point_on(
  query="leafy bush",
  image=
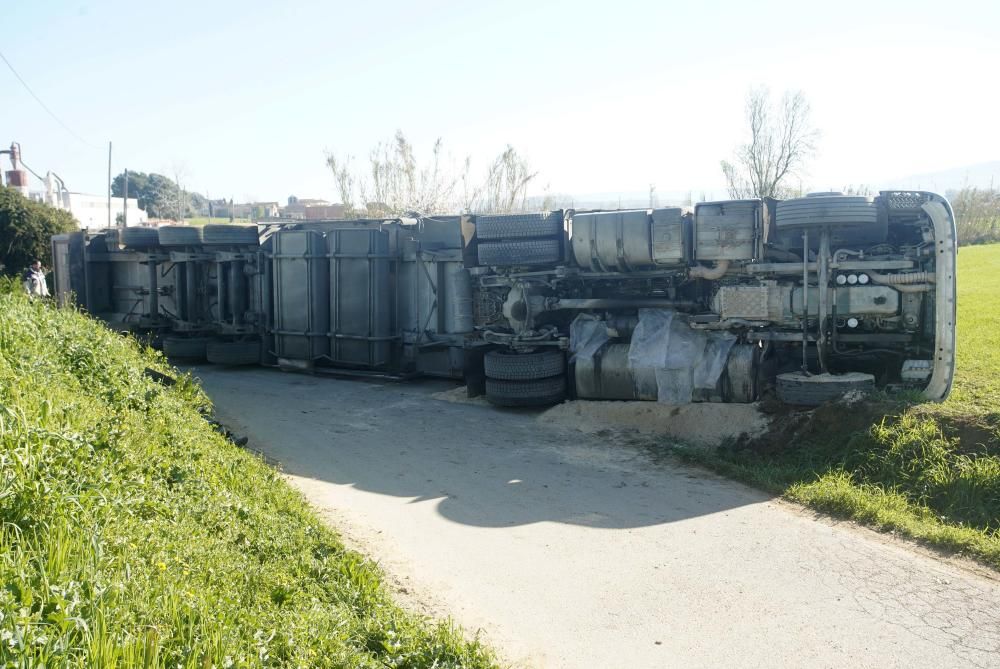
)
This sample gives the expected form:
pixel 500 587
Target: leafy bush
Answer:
pixel 26 228
pixel 977 215
pixel 133 535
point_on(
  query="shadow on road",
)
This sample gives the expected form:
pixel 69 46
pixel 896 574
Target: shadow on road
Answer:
pixel 487 467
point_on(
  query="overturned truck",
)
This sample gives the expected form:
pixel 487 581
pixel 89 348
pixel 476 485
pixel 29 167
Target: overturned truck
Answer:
pixel 806 299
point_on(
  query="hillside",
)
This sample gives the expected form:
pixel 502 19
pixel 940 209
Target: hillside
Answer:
pixel 132 534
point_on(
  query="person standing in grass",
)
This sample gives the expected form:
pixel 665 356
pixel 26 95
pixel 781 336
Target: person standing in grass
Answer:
pixel 34 280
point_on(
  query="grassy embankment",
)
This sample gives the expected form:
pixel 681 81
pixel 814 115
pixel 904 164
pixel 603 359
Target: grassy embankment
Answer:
pixel 927 471
pixel 132 534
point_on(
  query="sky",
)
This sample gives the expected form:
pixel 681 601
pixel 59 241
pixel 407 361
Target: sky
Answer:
pixel 244 99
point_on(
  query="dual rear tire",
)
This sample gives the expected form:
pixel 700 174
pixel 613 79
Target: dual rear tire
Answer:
pixel 525 379
pixel 200 349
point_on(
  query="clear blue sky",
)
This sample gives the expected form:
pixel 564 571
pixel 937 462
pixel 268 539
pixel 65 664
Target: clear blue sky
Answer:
pixel 245 97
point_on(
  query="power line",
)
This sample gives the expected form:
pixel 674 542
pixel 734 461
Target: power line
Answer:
pixel 43 105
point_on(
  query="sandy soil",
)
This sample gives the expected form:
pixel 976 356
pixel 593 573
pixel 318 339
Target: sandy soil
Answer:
pixel 569 543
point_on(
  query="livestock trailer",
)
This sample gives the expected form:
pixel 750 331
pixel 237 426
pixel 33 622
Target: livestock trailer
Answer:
pixel 806 299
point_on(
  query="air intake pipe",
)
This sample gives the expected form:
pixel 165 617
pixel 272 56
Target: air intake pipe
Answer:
pixel 711 274
pixel 911 282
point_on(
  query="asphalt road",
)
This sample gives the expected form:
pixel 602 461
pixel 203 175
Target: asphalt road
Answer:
pixel 572 549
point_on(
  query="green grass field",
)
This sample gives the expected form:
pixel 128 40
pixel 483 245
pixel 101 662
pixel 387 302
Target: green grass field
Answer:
pixel 133 535
pixel 927 471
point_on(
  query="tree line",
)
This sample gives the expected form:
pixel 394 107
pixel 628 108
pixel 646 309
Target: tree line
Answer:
pixel 158 195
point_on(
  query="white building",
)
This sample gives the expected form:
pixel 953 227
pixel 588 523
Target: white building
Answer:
pixel 91 211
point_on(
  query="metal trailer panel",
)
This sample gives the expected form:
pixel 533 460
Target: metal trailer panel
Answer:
pixel 458 310
pixel 668 236
pixel 434 300
pixel 726 230
pixel 300 271
pixel 69 269
pixel 361 298
pixel 135 284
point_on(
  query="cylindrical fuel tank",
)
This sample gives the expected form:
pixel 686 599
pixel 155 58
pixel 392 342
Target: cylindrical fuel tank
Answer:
pixel 623 241
pixel 607 376
pixel 458 300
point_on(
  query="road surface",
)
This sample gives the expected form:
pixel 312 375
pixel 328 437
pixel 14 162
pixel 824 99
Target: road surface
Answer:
pixel 569 549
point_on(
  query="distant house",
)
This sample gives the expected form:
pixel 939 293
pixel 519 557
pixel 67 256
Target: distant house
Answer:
pixel 252 210
pixel 261 210
pixel 311 209
pixel 91 211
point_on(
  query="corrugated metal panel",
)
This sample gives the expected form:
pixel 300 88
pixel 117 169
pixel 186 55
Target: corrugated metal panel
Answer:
pixel 726 230
pixel 668 236
pixel 301 295
pixel 361 298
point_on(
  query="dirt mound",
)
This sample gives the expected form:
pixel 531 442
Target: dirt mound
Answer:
pixel 704 424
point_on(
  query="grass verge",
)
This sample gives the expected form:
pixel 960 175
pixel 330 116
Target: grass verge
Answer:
pixel 132 534
pixel 930 472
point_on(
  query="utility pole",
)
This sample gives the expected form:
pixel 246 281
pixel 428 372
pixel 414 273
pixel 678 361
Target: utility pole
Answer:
pixel 177 180
pixel 109 185
pixel 125 201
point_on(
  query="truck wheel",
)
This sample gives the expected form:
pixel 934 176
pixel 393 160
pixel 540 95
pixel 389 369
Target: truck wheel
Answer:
pixel 186 348
pixel 825 209
pixel 139 238
pixel 234 353
pixel 520 252
pixel 509 366
pixel 179 235
pixel 230 235
pixel 537 393
pixel 798 389
pixel 519 226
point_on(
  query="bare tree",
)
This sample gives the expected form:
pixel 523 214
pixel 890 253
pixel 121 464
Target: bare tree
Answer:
pixel 397 183
pixel 505 188
pixel 344 181
pixel 781 140
pixel 860 189
pixel 172 200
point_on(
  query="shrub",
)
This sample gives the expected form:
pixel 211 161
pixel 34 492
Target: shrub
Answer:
pixel 26 228
pixel 977 215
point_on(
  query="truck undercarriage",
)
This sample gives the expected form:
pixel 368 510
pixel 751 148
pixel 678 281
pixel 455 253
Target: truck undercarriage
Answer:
pixel 807 299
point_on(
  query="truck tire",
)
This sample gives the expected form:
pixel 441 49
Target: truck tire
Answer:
pixel 519 226
pixel 230 235
pixel 233 353
pixel 800 390
pixel 537 393
pixel 139 238
pixel 825 210
pixel 179 235
pixel 509 366
pixel 520 252
pixel 186 348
